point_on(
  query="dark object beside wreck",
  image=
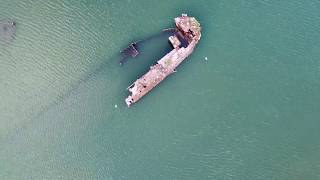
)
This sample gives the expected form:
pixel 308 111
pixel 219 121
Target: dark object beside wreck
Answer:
pixel 129 52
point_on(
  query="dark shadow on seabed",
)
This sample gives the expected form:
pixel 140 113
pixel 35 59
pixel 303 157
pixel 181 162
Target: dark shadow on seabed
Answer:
pixel 150 49
pixel 127 73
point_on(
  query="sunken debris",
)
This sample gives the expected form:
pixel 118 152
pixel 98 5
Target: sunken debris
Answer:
pixel 134 48
pixel 188 33
pixel 7 31
pixel 129 52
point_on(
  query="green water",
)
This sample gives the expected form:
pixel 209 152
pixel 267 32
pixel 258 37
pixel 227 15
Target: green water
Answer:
pixel 251 111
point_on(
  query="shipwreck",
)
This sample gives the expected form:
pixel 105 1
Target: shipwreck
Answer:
pixel 187 35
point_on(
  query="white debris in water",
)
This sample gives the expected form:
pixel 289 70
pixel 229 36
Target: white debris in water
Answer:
pixel 206 58
pixel 115 106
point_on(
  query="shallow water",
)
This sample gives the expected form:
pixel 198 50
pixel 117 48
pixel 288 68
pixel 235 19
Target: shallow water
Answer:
pixel 250 111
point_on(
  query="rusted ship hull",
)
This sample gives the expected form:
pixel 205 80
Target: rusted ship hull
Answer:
pixel 190 29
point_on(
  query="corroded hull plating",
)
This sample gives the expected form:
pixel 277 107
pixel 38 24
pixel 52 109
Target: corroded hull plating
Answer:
pixel 190 30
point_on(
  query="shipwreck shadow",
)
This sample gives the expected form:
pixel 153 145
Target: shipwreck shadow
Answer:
pixel 119 68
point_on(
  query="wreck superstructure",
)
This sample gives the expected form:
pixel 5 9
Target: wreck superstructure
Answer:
pixel 189 32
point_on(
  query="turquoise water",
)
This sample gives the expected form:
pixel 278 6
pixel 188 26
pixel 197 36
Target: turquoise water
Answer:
pixel 251 111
